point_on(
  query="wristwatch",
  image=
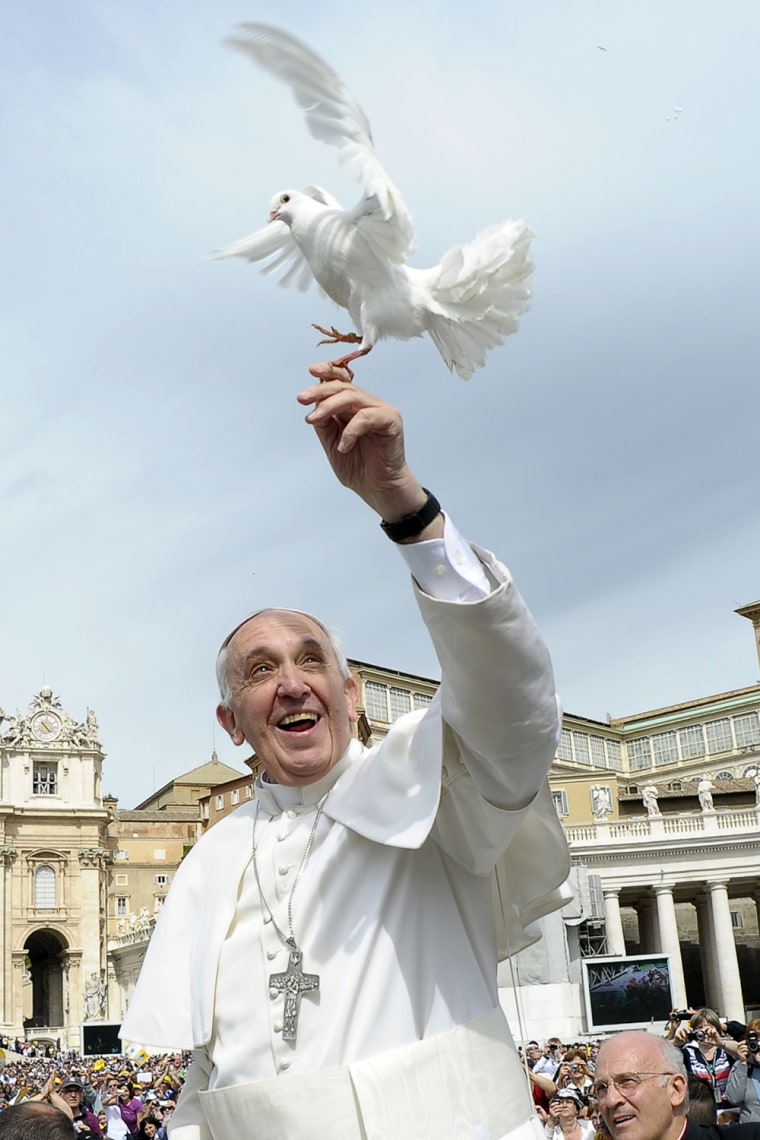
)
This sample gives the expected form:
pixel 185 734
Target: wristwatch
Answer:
pixel 412 525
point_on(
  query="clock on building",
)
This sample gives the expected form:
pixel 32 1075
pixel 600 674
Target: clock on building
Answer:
pixel 46 726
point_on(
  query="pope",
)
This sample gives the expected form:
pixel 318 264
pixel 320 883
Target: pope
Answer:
pixel 332 945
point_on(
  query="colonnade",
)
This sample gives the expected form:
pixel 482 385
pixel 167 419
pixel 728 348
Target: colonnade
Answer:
pixel 658 933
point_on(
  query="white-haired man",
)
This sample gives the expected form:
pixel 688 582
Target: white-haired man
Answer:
pixel 332 946
pixel 641 1084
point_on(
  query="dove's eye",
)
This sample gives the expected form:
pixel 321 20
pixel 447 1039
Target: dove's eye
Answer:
pixel 284 198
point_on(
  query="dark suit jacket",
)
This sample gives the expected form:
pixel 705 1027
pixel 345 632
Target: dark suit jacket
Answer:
pixel 718 1132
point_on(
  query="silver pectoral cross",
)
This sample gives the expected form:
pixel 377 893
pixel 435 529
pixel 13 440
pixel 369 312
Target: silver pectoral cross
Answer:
pixel 293 982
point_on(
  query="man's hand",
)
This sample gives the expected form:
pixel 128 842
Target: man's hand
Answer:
pixel 363 438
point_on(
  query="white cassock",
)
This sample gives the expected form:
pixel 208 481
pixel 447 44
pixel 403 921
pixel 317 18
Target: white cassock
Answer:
pixel 436 850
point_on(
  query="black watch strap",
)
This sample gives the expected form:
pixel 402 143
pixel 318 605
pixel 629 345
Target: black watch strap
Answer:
pixel 412 525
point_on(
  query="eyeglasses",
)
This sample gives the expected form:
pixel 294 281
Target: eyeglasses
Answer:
pixel 625 1083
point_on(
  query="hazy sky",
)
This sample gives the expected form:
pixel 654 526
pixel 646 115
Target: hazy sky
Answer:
pixel 157 479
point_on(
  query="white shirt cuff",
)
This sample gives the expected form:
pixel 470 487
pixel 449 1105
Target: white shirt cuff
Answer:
pixel 447 568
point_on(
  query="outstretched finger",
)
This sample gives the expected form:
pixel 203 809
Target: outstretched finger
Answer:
pixel 325 370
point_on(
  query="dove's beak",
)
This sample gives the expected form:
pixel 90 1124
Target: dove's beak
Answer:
pixel 273 215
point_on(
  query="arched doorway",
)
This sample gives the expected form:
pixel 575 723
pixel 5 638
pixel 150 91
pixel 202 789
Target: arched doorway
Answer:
pixel 44 949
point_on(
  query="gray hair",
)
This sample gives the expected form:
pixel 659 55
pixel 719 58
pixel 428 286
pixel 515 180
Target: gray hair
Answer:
pixel 222 657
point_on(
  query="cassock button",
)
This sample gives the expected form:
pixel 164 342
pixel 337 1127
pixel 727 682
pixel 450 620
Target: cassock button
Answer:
pixel 271 954
pixel 274 994
pixel 292 813
pixel 283 1065
pixel 440 569
pixel 459 558
pixel 283 870
pixel 281 837
pixel 277 1028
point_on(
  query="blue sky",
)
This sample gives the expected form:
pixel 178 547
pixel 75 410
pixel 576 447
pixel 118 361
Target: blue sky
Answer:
pixel 157 478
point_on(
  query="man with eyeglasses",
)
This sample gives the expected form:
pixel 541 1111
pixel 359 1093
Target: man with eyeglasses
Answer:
pixel 642 1088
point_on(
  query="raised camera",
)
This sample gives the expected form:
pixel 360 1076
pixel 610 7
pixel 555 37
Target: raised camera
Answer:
pixel 753 1042
pixel 697 1035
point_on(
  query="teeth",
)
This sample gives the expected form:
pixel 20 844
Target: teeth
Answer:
pixel 296 718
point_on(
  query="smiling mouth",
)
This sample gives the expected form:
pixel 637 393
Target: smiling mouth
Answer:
pixel 298 722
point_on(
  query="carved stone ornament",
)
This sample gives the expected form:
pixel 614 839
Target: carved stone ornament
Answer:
pixel 601 801
pixel 8 855
pixel 48 724
pixel 93 857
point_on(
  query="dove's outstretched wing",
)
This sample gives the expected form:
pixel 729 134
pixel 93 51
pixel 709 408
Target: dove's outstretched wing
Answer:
pixel 275 241
pixel 334 117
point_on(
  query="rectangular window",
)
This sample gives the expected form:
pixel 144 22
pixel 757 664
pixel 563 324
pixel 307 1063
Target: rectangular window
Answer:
pixel 719 737
pixel 161 880
pixel 421 700
pixel 580 743
pixel 219 803
pixel 639 753
pixel 737 919
pixel 248 791
pixel 692 741
pixel 121 907
pixel 559 796
pixel 159 853
pixel 235 796
pixel 376 701
pixel 665 747
pixel 747 729
pixel 615 755
pixel 45 779
pixel 565 746
pixel 120 856
pixel 598 755
pixel 400 702
pixel 122 880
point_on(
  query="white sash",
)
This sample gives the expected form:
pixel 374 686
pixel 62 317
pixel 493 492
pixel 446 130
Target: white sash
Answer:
pixel 466 1084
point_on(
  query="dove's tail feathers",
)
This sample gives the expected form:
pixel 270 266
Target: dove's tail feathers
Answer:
pixel 480 291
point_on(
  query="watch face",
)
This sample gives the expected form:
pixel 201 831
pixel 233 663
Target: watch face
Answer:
pixel 46 726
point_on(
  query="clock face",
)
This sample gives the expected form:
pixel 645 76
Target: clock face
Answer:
pixel 46 726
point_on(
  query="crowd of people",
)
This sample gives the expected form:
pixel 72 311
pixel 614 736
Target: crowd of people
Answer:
pixel 719 1061
pixel 112 1098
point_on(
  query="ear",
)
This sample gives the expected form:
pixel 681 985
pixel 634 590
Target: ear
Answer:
pixel 352 696
pixel 679 1085
pixel 226 718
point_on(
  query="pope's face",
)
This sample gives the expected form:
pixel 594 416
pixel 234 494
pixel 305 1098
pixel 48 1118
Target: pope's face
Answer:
pixel 289 700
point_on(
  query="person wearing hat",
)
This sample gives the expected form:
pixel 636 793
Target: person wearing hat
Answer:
pixel 72 1092
pixel 561 1122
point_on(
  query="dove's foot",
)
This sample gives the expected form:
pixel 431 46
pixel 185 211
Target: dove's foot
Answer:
pixel 345 361
pixel 334 337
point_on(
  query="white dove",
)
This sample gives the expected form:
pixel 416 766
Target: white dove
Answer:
pixel 467 304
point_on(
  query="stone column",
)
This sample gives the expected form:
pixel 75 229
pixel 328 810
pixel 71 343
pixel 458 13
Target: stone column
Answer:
pixel 613 923
pixel 7 859
pixel 649 935
pixel 669 944
pixel 729 981
pixel 707 951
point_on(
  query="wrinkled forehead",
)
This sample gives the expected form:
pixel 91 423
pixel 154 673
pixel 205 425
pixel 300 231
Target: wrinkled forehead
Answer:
pixel 265 623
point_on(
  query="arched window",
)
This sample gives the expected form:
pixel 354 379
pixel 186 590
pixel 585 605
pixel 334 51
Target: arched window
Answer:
pixel 44 888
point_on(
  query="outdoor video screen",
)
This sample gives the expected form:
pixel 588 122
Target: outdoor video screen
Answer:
pixel 627 993
pixel 101 1040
